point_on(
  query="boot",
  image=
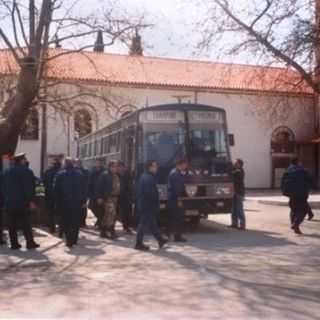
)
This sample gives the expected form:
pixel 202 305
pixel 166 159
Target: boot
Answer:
pixel 297 230
pixel 113 235
pixel 2 241
pixel 15 246
pixel 103 233
pixel 310 216
pixel 179 238
pixel 32 245
pixel 162 242
pixel 142 247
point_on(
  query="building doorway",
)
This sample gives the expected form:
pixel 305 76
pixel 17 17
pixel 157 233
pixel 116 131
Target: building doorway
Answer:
pixel 283 149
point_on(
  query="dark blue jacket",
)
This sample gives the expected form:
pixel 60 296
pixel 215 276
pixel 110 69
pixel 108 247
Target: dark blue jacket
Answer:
pixel 296 182
pixel 94 175
pixel 18 187
pixel 148 195
pixel 70 193
pixel 1 191
pixel 104 185
pixel 85 179
pixel 48 181
pixel 176 186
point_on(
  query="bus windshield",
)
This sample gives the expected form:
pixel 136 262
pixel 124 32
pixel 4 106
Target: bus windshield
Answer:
pixel 208 145
pixel 163 136
pixel 207 133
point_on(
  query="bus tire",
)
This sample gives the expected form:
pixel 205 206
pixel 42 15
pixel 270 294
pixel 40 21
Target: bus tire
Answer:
pixel 194 221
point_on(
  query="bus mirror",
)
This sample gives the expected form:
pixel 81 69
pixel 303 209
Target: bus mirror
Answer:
pixel 231 140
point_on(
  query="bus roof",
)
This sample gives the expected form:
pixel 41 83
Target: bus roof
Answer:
pixel 169 106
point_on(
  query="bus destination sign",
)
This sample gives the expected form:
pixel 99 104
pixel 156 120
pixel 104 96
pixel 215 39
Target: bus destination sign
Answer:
pixel 162 116
pixel 205 117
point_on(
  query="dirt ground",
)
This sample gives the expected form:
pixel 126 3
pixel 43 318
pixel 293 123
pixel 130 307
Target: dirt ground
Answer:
pixel 266 272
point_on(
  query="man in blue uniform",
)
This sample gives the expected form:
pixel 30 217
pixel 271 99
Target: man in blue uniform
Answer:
pixel 48 181
pixel 19 193
pixel 2 241
pixel 177 190
pixel 70 195
pixel 296 184
pixel 94 175
pixel 148 206
pixel 125 203
pixel 85 182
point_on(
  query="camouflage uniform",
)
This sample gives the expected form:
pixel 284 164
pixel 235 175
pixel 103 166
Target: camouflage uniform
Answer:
pixel 110 205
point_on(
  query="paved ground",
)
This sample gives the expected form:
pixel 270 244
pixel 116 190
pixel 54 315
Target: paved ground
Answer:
pixel 276 198
pixel 265 273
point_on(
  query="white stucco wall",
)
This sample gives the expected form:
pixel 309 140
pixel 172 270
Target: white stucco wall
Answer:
pixel 251 118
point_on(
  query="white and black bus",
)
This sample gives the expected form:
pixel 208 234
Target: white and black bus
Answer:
pixel 166 133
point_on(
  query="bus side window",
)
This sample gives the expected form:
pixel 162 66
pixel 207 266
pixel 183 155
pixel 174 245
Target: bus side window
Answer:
pixel 129 142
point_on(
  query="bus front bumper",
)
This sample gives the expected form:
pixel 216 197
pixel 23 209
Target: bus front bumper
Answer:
pixel 206 206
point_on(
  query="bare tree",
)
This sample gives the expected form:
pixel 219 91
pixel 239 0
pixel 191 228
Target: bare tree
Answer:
pixel 285 32
pixel 28 29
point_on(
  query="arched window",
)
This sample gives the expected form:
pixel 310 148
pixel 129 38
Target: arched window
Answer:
pixel 82 122
pixel 30 130
pixel 283 140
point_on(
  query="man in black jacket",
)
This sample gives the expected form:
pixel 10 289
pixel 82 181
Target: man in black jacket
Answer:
pixel 177 190
pixel 296 184
pixel 124 203
pixel 94 175
pixel 108 191
pixel 19 193
pixel 148 206
pixel 238 215
pixel 70 195
pixel 85 181
pixel 48 181
pixel 2 241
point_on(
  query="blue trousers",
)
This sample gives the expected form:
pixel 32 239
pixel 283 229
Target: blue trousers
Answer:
pixel 238 216
pixel 148 222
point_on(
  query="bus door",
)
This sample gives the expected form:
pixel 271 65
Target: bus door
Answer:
pixel 130 136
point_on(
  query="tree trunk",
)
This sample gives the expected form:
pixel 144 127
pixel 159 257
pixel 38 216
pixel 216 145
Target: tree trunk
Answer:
pixel 14 115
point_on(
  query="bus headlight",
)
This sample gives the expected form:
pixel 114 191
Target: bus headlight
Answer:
pixel 191 190
pixel 224 190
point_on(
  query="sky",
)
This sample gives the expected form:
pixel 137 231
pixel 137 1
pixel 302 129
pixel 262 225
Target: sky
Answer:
pixel 172 35
pixel 173 32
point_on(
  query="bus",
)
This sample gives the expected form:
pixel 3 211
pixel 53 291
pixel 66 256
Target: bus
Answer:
pixel 166 133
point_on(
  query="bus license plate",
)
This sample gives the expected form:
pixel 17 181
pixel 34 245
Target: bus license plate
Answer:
pixel 192 213
pixel 220 204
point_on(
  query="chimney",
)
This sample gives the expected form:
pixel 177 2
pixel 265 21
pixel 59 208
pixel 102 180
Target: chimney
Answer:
pixel 136 45
pixel 99 44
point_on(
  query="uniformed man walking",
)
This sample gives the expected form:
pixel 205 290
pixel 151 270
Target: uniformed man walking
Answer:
pixel 19 193
pixel 108 191
pixel 296 184
pixel 48 181
pixel 94 175
pixel 177 190
pixel 2 241
pixel 148 206
pixel 85 182
pixel 124 203
pixel 70 195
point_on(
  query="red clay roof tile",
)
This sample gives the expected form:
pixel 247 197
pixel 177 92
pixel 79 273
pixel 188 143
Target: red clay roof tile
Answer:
pixel 151 71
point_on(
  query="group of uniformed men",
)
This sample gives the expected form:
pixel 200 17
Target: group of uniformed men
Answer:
pixel 70 189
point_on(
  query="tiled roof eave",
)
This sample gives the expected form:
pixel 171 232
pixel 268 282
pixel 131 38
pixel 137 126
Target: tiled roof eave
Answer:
pixel 139 84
